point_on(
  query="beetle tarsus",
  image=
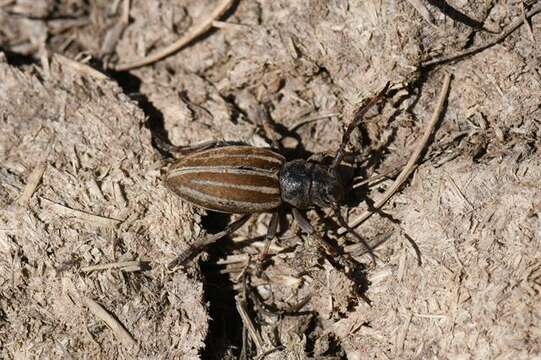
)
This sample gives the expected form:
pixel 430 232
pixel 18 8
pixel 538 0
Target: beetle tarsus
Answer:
pixel 345 225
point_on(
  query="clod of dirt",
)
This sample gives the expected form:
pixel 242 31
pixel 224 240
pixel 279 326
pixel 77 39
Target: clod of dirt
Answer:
pixel 81 186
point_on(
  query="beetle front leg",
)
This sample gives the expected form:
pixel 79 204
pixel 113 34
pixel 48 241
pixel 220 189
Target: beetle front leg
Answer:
pixel 200 244
pixel 271 233
pixel 329 249
pixel 268 127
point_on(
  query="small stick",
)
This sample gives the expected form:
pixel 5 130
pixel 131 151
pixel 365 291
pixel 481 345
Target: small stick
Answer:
pixel 80 67
pixel 33 181
pixel 124 265
pixel 118 329
pixel 309 120
pixel 375 178
pixel 35 176
pixel 256 338
pixel 507 31
pixel 125 19
pixel 202 27
pixel 410 166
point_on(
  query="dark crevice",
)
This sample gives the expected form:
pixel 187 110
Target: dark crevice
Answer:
pixel 17 59
pixel 224 338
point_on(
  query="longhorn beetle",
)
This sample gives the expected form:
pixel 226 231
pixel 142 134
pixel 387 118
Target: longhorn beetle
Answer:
pixel 248 180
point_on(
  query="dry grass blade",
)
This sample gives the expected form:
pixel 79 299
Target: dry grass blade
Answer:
pixel 410 166
pixel 35 177
pixel 196 31
pixel 123 265
pixel 81 215
pixel 118 329
pixel 33 181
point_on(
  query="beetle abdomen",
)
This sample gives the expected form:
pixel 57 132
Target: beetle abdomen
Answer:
pixel 231 179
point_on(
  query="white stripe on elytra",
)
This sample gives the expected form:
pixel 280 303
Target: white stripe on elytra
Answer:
pixel 227 169
pixel 245 205
pixel 248 156
pixel 262 189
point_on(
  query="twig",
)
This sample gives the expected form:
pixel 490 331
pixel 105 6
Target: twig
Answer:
pixel 196 31
pixel 118 329
pixel 508 30
pixel 256 338
pixel 129 266
pixel 410 166
pixel 125 19
pixel 80 67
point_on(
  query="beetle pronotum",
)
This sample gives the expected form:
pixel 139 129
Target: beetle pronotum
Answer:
pixel 248 180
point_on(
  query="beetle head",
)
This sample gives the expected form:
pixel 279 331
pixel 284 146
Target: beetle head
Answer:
pixel 327 189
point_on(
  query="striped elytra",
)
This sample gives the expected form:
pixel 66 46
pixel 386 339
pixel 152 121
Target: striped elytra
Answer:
pixel 230 179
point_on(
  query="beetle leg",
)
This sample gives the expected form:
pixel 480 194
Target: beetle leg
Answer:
pixel 344 224
pixel 196 247
pixel 174 150
pixel 309 229
pixel 358 117
pixel 268 128
pixel 336 254
pixel 271 233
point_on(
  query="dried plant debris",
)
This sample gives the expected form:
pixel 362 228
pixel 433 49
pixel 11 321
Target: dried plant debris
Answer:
pixel 73 141
pixel 86 226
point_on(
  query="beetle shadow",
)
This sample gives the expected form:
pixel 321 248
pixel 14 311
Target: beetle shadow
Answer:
pixel 131 86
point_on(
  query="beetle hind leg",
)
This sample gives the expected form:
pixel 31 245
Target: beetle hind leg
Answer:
pixel 271 234
pixel 205 241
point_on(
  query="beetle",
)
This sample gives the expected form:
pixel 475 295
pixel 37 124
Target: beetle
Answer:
pixel 249 180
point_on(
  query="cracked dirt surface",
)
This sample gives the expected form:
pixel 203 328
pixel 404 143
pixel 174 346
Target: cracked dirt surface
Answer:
pixel 458 274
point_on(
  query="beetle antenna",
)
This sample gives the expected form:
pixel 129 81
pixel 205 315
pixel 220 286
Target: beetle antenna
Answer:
pixel 357 118
pixel 345 225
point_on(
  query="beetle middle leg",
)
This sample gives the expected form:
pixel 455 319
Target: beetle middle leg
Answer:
pixel 271 233
pixel 200 244
pixel 329 249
